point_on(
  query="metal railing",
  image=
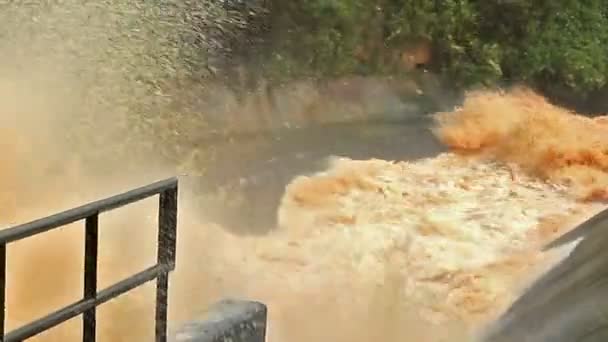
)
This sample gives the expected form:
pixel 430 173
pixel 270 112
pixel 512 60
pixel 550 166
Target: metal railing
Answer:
pixel 167 220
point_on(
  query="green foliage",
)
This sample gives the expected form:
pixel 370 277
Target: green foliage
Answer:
pixel 319 37
pixel 474 41
pixel 563 43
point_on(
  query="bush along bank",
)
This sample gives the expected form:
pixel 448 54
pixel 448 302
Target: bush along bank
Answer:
pixel 557 47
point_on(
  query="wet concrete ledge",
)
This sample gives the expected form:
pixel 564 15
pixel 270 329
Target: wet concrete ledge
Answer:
pixel 228 320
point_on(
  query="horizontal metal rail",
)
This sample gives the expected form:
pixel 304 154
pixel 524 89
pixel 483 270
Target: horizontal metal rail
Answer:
pixel 76 214
pixel 167 220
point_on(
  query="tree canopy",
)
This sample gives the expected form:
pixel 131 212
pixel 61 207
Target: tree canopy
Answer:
pixel 474 41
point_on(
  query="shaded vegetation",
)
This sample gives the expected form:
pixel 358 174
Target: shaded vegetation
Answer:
pixel 474 42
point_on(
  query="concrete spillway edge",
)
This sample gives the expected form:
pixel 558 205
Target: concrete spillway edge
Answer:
pixel 228 320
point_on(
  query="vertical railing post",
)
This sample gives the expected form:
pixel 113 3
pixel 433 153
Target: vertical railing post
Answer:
pixel 167 229
pixel 2 290
pixel 90 276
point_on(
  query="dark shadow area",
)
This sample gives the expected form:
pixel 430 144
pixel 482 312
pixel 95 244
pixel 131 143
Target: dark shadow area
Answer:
pixel 260 181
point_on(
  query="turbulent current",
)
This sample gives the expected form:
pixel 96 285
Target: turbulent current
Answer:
pixel 430 249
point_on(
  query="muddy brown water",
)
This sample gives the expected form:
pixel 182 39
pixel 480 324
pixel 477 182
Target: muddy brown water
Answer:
pixel 281 156
pixel 259 179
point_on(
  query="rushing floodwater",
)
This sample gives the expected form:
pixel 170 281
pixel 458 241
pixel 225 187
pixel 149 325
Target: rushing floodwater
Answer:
pixel 281 156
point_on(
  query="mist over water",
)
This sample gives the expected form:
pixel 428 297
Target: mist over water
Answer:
pixel 79 122
pixel 68 138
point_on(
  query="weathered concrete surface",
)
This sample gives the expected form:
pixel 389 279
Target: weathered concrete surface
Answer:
pixel 227 321
pixel 570 302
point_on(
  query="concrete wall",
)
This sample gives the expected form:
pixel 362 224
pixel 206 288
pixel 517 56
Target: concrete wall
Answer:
pixel 227 321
